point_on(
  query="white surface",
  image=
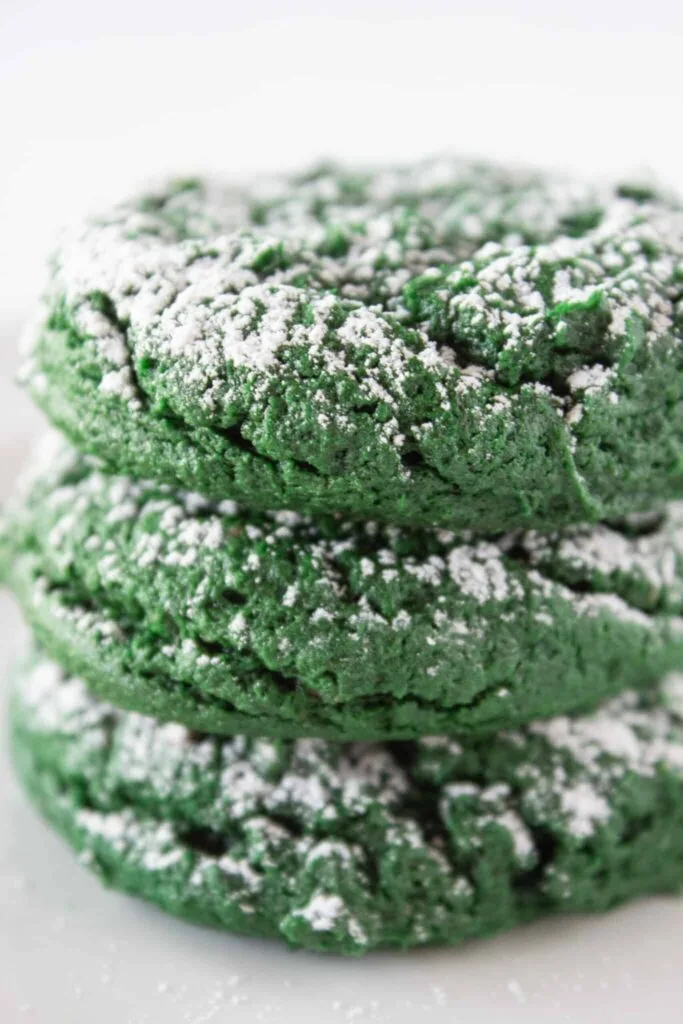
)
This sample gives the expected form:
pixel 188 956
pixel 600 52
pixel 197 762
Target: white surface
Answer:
pixel 97 97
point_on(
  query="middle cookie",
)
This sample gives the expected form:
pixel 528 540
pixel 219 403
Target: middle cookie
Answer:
pixel 230 620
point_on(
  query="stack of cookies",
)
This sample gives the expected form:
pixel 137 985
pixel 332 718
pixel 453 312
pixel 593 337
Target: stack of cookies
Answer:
pixel 357 598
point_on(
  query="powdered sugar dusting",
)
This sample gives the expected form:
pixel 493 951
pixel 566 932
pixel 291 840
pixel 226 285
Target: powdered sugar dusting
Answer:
pixel 313 601
pixel 565 776
pixel 477 283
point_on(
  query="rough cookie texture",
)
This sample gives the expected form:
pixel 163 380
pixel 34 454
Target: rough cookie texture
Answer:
pixel 450 344
pixel 347 847
pixel 274 624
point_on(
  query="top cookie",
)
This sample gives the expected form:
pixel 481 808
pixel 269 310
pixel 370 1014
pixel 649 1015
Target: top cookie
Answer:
pixel 449 344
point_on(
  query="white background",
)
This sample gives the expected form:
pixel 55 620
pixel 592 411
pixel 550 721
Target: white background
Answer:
pixel 97 97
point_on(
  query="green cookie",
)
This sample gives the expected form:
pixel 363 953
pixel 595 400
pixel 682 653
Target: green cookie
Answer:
pixel 450 344
pixel 348 847
pixel 274 624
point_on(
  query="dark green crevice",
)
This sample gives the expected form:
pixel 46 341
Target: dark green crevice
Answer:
pixel 205 841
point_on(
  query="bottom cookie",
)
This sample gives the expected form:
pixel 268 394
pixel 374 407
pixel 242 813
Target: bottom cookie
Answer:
pixel 346 847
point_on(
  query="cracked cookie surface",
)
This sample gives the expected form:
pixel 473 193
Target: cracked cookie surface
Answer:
pixel 450 344
pixel 343 847
pixel 231 620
